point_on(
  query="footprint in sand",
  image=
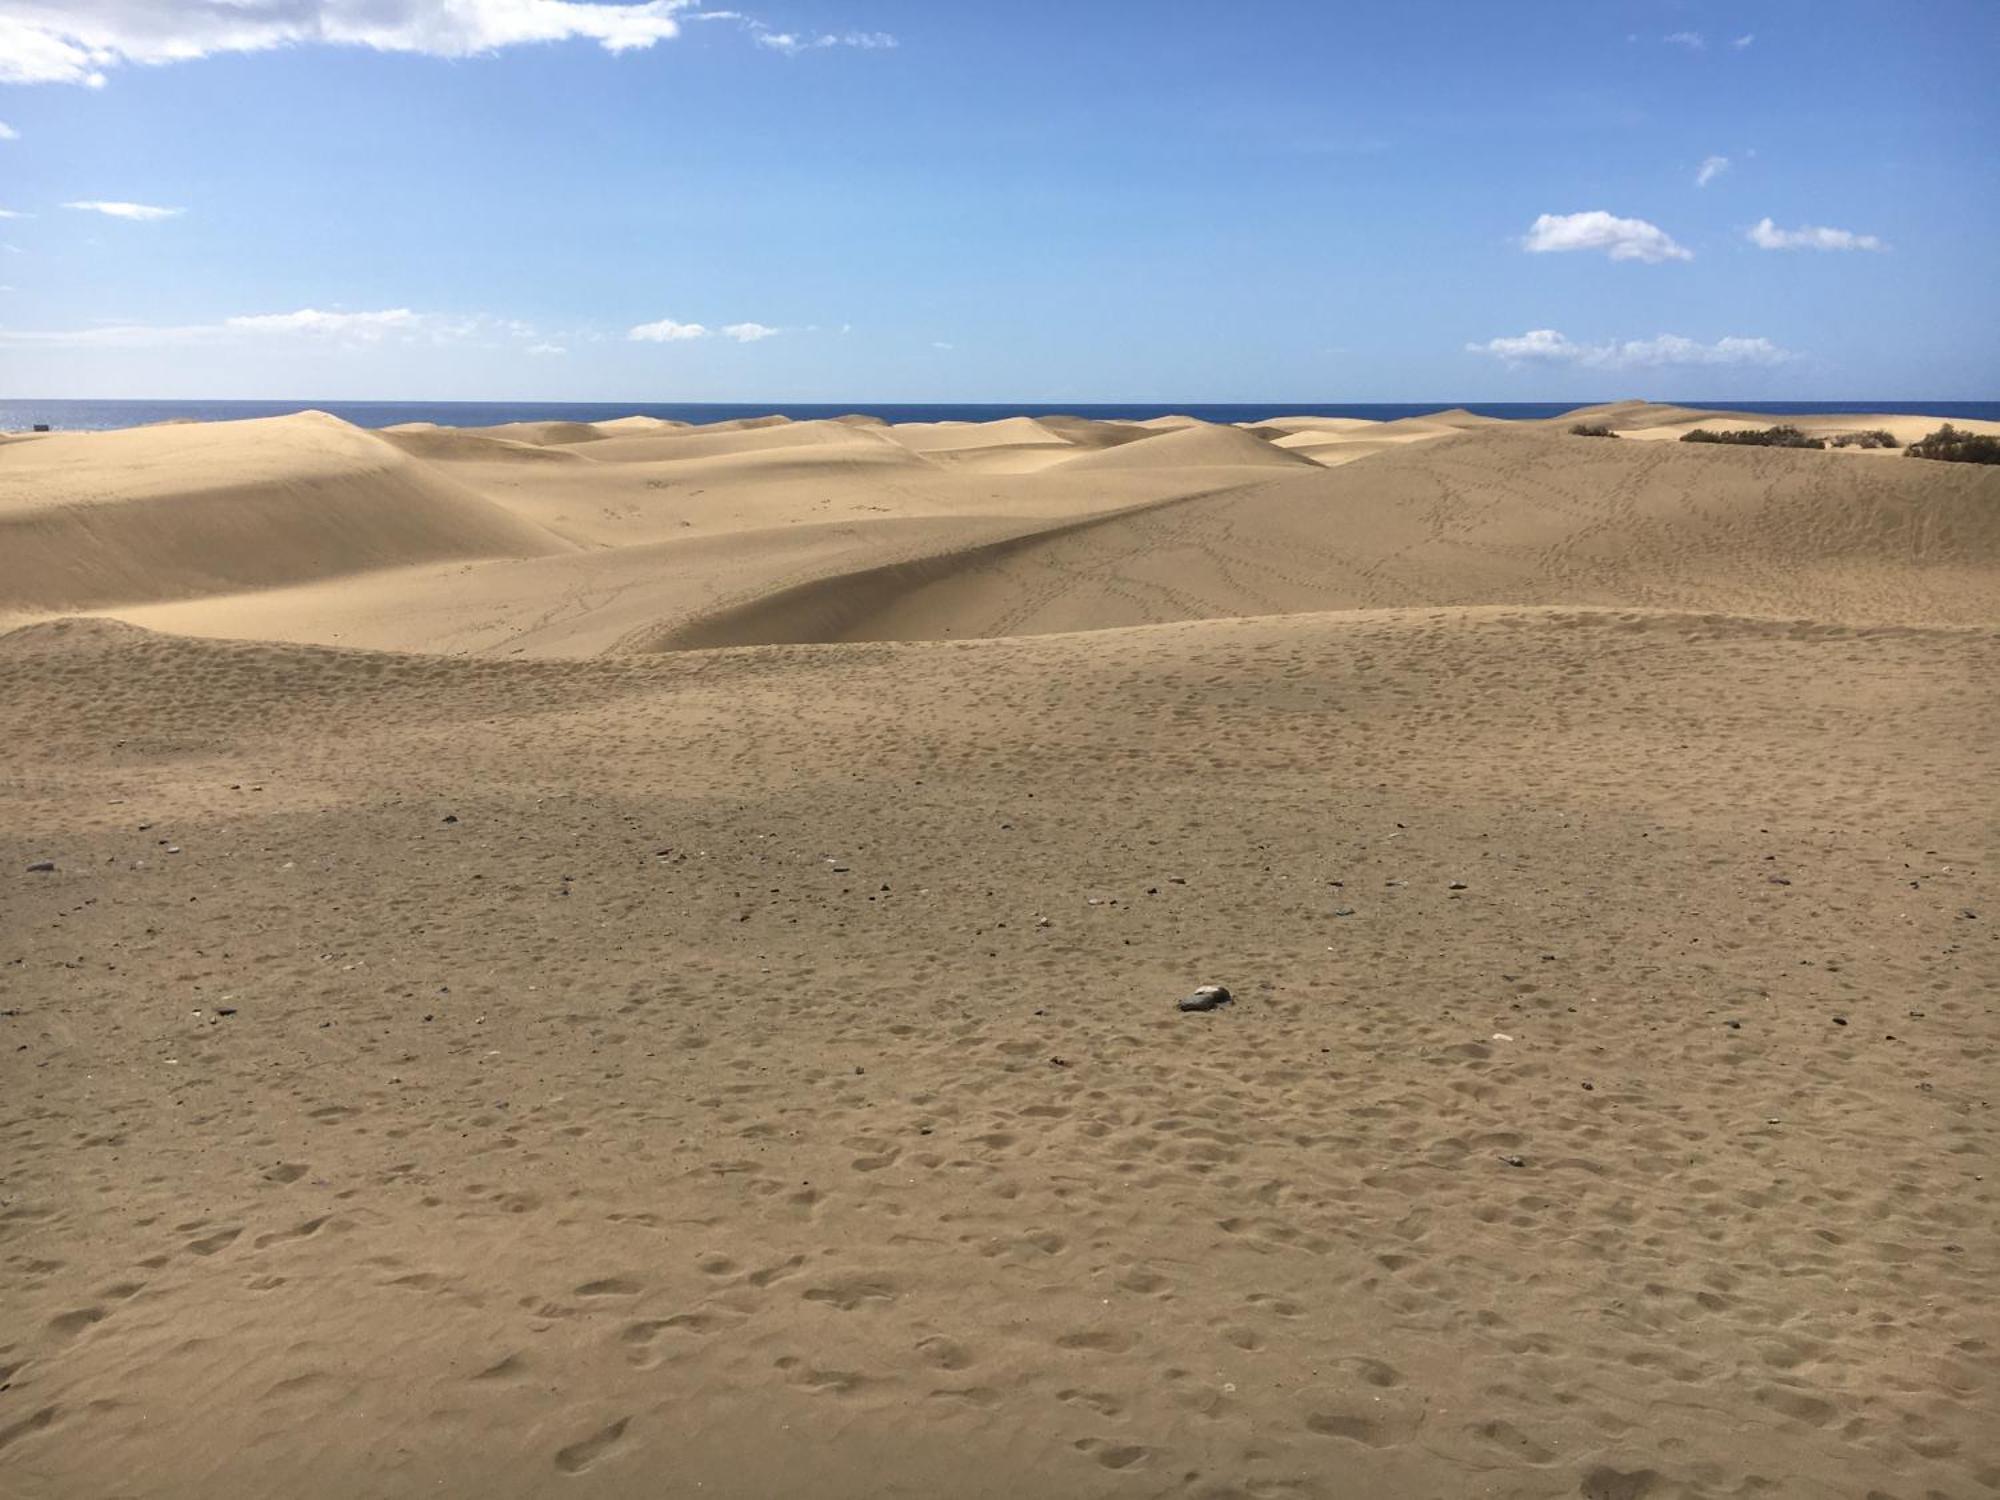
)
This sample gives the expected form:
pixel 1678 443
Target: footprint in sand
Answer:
pixel 579 1456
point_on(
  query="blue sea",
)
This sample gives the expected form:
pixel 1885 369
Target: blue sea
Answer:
pixel 85 416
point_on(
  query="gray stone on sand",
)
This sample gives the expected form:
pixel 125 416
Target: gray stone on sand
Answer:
pixel 1208 997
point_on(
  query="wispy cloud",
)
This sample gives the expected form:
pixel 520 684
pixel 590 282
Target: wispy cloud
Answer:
pixel 1621 239
pixel 8 132
pixel 1744 40
pixel 307 324
pixel 14 213
pixel 1766 235
pixel 547 349
pixel 1545 346
pixel 115 210
pixel 312 320
pixel 1711 168
pixel 1694 41
pixel 670 331
pixel 78 41
pixel 792 43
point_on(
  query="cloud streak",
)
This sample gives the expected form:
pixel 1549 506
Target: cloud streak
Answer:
pixel 115 210
pixel 1766 235
pixel 307 325
pixel 1621 239
pixel 793 43
pixel 1711 168
pixel 1545 346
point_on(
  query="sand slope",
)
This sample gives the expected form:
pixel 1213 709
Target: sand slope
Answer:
pixel 171 512
pixel 759 1069
pixel 1199 445
pixel 578 1066
pixel 1501 517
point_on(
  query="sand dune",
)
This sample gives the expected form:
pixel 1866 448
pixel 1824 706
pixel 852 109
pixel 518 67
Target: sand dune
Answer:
pixel 1197 446
pixel 532 1056
pixel 825 437
pixel 1485 518
pixel 447 446
pixel 172 512
pixel 956 437
pixel 1085 432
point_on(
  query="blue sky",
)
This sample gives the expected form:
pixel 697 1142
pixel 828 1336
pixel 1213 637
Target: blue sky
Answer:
pixel 1040 202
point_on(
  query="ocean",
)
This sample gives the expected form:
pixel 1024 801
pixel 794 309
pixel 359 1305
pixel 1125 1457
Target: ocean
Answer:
pixel 85 416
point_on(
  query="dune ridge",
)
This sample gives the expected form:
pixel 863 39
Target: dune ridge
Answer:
pixel 187 510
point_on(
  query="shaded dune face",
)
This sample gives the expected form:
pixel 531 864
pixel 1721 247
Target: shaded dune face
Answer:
pixel 1489 518
pixel 200 510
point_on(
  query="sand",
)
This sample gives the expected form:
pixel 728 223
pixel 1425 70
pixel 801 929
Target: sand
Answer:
pixel 544 1053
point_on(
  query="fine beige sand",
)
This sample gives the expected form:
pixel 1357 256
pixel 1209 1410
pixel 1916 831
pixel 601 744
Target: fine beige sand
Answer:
pixel 628 960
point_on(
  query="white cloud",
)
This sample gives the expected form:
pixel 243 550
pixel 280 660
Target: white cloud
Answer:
pixel 13 213
pixel 1766 235
pixel 547 349
pixel 311 320
pixel 1694 41
pixel 667 331
pixel 76 41
pixel 124 210
pixel 346 329
pixel 1622 239
pixel 1712 167
pixel 941 344
pixel 791 43
pixel 1743 41
pixel 8 132
pixel 1548 347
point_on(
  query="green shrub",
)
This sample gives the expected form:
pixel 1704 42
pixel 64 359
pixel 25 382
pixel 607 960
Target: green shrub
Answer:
pixel 1873 438
pixel 1592 429
pixel 1757 437
pixel 1954 447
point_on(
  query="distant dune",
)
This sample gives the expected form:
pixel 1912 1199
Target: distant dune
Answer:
pixel 180 511
pixel 1189 446
pixel 1021 526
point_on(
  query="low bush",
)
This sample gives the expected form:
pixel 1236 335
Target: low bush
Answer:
pixel 1873 438
pixel 1954 447
pixel 1591 429
pixel 1757 437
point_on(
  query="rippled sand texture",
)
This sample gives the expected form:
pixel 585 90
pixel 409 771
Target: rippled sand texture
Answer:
pixel 531 1057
